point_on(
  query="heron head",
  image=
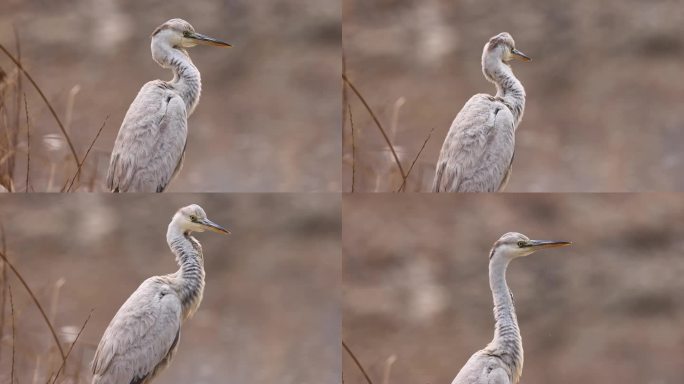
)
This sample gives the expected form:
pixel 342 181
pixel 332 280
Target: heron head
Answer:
pixel 502 47
pixel 193 219
pixel 180 34
pixel 513 245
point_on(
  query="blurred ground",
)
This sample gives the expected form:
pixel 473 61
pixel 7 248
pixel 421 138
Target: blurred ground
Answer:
pixel 608 309
pixel 603 91
pixel 269 116
pixel 270 311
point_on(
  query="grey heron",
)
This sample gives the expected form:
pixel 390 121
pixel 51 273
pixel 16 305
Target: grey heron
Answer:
pixel 501 361
pixel 477 153
pixel 150 146
pixel 142 338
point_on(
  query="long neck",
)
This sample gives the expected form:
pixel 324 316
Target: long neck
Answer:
pixel 186 77
pixel 507 342
pixel 188 281
pixel 508 87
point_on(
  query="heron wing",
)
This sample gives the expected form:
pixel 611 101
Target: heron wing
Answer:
pixel 151 141
pixel 478 149
pixel 507 176
pixel 140 337
pixel 483 369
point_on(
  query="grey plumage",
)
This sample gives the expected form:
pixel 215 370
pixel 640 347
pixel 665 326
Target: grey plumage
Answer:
pixel 501 361
pixel 143 336
pixel 149 149
pixel 477 154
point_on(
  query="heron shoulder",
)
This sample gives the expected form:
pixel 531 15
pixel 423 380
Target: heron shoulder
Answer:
pixel 483 368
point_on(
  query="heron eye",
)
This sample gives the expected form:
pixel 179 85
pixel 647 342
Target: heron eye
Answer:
pixel 521 244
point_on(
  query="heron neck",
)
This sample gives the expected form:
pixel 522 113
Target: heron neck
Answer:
pixel 507 342
pixel 189 279
pixel 508 87
pixel 186 77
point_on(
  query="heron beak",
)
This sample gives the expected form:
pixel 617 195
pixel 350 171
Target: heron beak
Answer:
pixel 541 244
pixel 206 40
pixel 520 56
pixel 210 225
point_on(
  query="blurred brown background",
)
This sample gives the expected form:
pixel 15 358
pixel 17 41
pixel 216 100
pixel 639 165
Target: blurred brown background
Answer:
pixel 604 89
pixel 270 311
pixel 269 116
pixel 608 309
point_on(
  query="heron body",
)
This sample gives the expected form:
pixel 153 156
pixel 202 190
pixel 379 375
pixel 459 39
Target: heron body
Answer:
pixel 501 361
pixel 477 153
pixel 150 146
pixel 143 336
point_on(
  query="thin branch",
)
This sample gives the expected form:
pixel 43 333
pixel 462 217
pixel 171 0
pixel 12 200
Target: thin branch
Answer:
pixel 42 95
pixel 80 165
pixel 351 121
pixel 345 93
pixel 72 347
pixel 28 144
pixel 13 331
pixel 20 87
pixel 356 361
pixel 4 287
pixel 403 184
pixel 35 300
pixel 377 122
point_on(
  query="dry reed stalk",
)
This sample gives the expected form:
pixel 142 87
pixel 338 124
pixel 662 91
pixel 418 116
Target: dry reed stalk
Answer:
pixel 70 106
pixel 388 368
pixel 345 93
pixel 36 302
pixel 80 165
pixel 28 145
pixel 377 123
pixel 403 184
pixel 9 287
pixel 36 370
pixel 351 121
pixel 19 92
pixel 356 361
pixel 4 286
pixel 42 95
pixel 72 346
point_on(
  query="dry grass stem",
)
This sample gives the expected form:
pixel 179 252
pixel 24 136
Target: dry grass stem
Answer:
pixel 388 368
pixel 9 288
pixel 4 287
pixel 72 346
pixel 35 300
pixel 28 145
pixel 70 106
pixel 80 165
pixel 403 184
pixel 351 121
pixel 377 123
pixel 345 93
pixel 356 361
pixel 42 95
